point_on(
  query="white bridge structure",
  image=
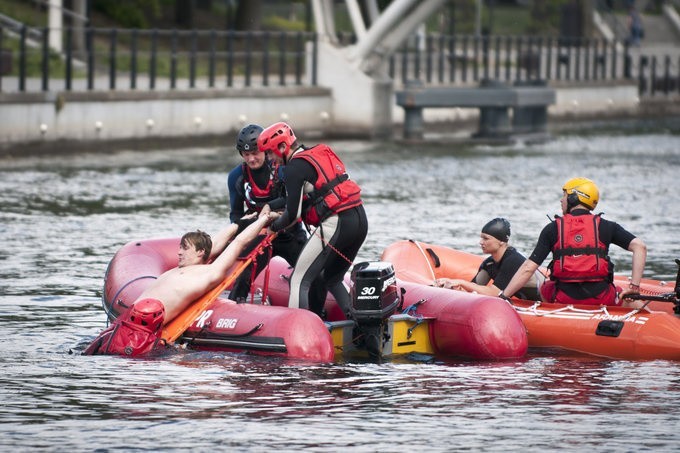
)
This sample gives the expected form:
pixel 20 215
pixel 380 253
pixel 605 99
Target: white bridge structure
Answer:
pixel 363 93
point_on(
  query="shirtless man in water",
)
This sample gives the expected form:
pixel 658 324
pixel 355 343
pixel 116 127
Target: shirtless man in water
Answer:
pixel 193 276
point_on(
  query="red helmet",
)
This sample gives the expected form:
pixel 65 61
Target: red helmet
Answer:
pixel 271 137
pixel 149 313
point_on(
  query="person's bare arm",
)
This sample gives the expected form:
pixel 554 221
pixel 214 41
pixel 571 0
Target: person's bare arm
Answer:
pixel 521 277
pixel 465 285
pixel 227 258
pixel 221 239
pixel 639 250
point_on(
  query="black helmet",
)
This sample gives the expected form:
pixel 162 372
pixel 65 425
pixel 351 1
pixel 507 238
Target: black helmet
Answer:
pixel 247 138
pixel 498 228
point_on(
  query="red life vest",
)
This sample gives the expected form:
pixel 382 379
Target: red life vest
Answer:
pixel 333 191
pixel 134 333
pixel 578 254
pixel 255 196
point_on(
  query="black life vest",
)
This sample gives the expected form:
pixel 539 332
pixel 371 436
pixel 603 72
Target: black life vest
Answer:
pixel 578 253
pixel 255 196
pixel 333 191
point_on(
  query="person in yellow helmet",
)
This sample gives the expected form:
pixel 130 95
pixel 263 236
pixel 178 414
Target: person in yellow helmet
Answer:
pixel 581 272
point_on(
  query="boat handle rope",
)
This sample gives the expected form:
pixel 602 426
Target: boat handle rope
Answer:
pixel 413 308
pixel 329 245
pixel 223 336
pixel 409 332
pixel 416 318
pixel 427 260
pixel 603 310
pixel 119 301
pixel 351 341
pixel 253 275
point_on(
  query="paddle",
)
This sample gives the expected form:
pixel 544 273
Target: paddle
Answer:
pixel 175 328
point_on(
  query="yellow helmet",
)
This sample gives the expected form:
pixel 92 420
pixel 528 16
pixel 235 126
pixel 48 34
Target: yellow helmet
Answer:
pixel 581 191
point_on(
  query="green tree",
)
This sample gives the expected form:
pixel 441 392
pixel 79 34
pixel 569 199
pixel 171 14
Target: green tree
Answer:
pixel 130 13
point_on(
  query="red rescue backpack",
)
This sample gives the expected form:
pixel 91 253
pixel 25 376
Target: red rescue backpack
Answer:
pixel 135 332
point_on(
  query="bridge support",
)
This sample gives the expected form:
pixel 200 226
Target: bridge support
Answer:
pixel 368 105
pixel 495 100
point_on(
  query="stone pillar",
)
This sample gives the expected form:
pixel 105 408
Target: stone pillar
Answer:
pixel 494 122
pixel 79 23
pixel 530 119
pixel 55 23
pixel 414 126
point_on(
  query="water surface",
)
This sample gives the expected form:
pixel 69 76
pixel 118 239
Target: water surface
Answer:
pixel 62 219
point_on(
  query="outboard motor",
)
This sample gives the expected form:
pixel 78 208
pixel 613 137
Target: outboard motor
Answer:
pixel 375 297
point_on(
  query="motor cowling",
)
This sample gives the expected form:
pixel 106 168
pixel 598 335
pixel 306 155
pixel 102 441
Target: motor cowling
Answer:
pixel 374 292
pixel 375 297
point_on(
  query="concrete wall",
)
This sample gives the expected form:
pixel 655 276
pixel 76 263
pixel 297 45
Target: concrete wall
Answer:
pixel 595 98
pixel 125 115
pixel 356 107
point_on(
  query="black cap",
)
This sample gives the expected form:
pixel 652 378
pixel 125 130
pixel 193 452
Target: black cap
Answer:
pixel 498 228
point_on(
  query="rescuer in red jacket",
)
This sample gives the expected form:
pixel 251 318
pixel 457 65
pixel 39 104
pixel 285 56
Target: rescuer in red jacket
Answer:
pixel 320 193
pixel 581 272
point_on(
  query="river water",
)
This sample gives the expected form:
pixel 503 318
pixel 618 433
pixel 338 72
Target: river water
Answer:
pixel 62 219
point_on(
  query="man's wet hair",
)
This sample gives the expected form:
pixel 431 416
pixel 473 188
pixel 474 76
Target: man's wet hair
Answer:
pixel 200 240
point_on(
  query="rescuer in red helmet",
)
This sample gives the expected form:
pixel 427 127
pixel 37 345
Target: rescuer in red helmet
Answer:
pixel 320 192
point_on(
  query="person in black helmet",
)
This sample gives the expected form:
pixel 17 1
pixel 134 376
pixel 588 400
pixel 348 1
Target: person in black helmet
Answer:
pixel 500 266
pixel 254 183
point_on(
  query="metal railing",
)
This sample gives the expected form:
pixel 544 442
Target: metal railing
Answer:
pixel 114 59
pixel 461 60
pixel 131 59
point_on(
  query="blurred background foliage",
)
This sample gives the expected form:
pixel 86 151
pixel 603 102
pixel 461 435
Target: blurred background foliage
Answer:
pixel 498 17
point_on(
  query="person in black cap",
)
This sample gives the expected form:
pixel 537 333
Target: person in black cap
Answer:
pixel 500 266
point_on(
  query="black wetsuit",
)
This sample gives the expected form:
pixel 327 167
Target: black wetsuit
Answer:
pixel 330 249
pixel 502 272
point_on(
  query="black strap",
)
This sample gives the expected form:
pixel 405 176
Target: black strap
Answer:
pixel 570 251
pixel 434 256
pixel 319 194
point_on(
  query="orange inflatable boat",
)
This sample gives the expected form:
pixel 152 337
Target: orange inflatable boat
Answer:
pixel 652 332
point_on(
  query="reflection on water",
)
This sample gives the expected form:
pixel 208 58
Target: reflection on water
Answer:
pixel 63 218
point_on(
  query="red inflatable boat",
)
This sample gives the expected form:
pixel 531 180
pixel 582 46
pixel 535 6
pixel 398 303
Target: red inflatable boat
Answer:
pixel 224 325
pixel 389 316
